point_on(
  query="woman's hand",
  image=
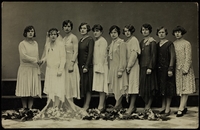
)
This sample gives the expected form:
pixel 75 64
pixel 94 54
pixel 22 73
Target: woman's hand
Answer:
pixel 148 71
pixel 59 74
pixel 170 73
pixel 128 70
pixel 85 70
pixel 119 74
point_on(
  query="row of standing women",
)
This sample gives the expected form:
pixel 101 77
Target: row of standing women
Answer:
pixel 75 68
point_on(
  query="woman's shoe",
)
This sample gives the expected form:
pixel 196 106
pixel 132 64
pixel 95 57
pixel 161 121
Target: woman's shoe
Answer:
pixel 184 111
pixel 102 110
pixel 168 113
pixel 129 113
pixel 117 108
pixel 162 112
pixel 179 115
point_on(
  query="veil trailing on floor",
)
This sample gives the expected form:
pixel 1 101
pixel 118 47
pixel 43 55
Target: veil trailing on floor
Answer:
pixel 66 111
pixel 65 108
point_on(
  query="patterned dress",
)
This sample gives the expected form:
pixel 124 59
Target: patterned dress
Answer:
pixel 72 79
pixel 133 50
pixel 166 61
pixel 28 76
pixel 147 60
pixel 85 59
pixel 100 74
pixel 117 60
pixel 185 84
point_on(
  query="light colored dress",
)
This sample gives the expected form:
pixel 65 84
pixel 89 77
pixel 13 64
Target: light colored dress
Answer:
pixel 28 77
pixel 55 61
pixel 117 60
pixel 100 71
pixel 185 84
pixel 72 79
pixel 133 50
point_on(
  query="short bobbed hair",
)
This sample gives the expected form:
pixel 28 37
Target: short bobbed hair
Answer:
pixel 179 28
pixel 115 27
pixel 159 28
pixel 66 23
pixel 97 27
pixel 131 28
pixel 27 29
pixel 147 26
pixel 87 25
pixel 53 29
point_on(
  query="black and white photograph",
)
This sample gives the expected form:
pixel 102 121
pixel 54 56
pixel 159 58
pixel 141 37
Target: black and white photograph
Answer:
pixel 130 65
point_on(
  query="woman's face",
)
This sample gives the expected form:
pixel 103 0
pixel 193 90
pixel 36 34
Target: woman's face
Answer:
pixel 67 28
pixel 30 34
pixel 97 33
pixel 83 30
pixel 53 35
pixel 127 32
pixel 178 34
pixel 114 34
pixel 145 32
pixel 162 33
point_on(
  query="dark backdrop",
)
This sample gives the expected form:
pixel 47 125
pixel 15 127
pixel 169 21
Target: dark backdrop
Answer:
pixel 45 15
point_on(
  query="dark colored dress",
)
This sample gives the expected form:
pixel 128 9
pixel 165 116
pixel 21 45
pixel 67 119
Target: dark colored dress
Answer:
pixel 166 61
pixel 147 60
pixel 85 60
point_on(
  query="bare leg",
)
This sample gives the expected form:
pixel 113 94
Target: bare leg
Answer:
pixel 87 101
pixel 132 103
pixel 102 96
pixel 24 102
pixel 148 105
pixel 30 102
pixel 163 104
pixel 168 103
pixel 119 102
pixel 183 101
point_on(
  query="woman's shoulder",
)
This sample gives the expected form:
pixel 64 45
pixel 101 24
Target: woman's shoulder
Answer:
pixel 26 42
pixel 73 36
pixel 134 38
pixel 102 39
pixel 186 41
pixel 120 40
pixel 90 38
pixel 169 42
pixel 183 41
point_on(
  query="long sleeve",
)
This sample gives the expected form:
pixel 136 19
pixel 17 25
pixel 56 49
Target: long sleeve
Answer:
pixel 100 56
pixel 135 51
pixel 90 53
pixel 188 56
pixel 62 57
pixel 26 58
pixel 122 53
pixel 172 57
pixel 75 45
pixel 132 59
pixel 153 54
